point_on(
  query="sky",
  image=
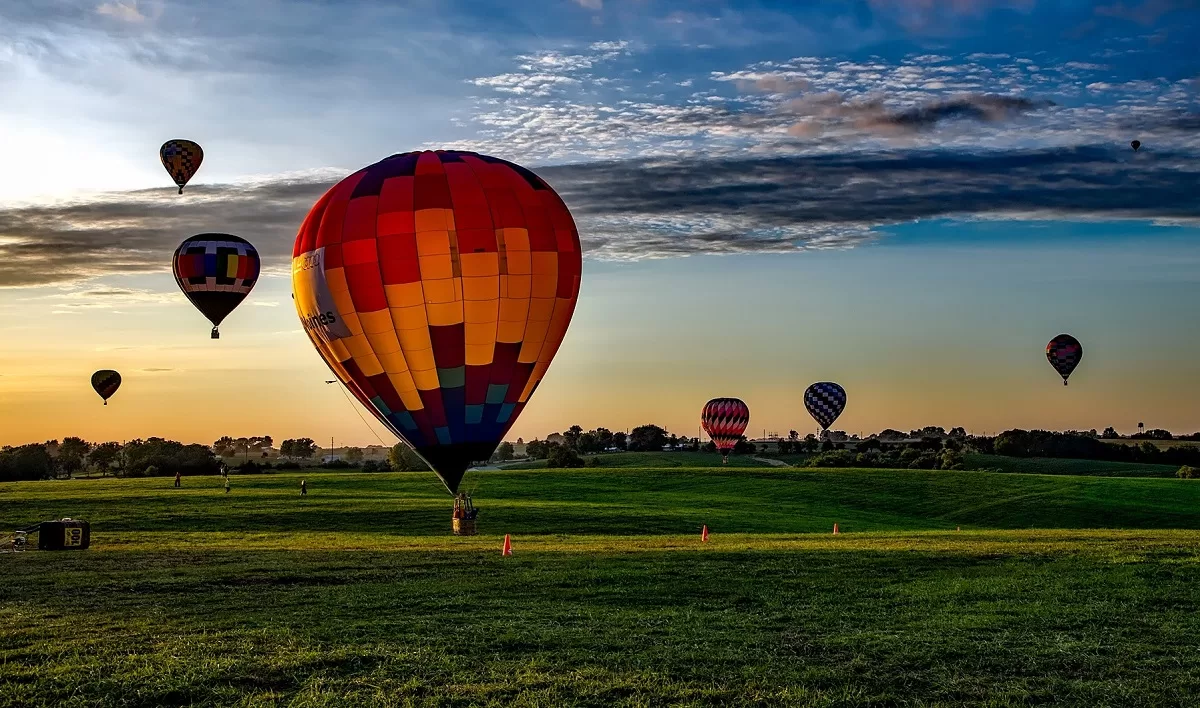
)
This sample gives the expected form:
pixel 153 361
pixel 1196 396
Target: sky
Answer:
pixel 908 197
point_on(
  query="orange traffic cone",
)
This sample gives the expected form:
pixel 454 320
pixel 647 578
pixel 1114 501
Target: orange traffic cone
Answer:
pixel 835 530
pixel 507 550
pixel 704 534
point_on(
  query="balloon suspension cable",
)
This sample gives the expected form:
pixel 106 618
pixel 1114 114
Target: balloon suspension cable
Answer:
pixel 360 416
pixel 216 334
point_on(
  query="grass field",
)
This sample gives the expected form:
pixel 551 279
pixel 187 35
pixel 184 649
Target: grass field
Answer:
pixel 1066 590
pixel 1048 465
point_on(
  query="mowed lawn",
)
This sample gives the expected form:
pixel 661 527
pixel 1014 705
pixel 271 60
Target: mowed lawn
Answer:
pixel 1067 590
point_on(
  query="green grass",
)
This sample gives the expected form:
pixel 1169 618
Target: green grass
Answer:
pixel 1048 465
pixel 356 595
pixel 662 460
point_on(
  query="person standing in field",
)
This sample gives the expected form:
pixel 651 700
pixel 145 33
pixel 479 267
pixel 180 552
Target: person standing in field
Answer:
pixel 226 484
pixel 303 488
pixel 178 476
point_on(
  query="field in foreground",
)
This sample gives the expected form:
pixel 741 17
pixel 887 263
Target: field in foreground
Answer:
pixel 356 595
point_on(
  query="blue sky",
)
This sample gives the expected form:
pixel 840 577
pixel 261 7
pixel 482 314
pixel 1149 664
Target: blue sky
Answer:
pixel 966 160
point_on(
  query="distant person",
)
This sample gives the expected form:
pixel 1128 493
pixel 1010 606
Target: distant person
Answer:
pixel 227 484
pixel 303 488
pixel 178 477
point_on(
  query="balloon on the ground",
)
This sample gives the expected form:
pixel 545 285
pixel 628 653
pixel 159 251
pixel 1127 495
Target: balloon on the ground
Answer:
pixel 216 272
pixel 182 159
pixel 1135 145
pixel 825 401
pixel 1064 353
pixel 106 382
pixel 437 286
pixel 725 420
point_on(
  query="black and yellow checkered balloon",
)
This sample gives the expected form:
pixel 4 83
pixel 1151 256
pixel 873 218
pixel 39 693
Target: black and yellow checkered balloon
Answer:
pixel 182 159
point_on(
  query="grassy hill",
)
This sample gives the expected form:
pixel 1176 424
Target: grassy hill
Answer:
pixel 1048 465
pixel 356 595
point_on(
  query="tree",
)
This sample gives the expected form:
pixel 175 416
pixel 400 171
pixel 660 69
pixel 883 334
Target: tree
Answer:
pixel 26 463
pixel 300 447
pixel 224 446
pixel 571 437
pixel 536 450
pixel 620 440
pixel 673 441
pixel 743 447
pixel 958 433
pixel 647 438
pixel 103 456
pixel 604 439
pixel 563 456
pixel 403 459
pixel 810 443
pixel 1110 433
pixel 242 445
pixel 354 455
pixel 504 453
pixel 793 436
pixel 589 442
pixel 72 454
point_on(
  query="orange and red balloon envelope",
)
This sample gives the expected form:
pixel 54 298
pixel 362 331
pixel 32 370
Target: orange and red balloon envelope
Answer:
pixel 438 286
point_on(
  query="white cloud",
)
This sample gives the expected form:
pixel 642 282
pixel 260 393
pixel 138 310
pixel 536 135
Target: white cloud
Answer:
pixel 124 10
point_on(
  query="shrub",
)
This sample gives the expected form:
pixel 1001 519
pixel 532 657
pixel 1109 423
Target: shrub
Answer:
pixel 833 458
pixel 287 465
pixel 337 465
pixel 376 466
pixel 563 456
pixel 1187 472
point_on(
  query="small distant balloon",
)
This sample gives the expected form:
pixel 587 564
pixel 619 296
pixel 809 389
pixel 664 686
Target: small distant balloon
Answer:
pixel 216 272
pixel 1135 145
pixel 106 382
pixel 725 419
pixel 825 401
pixel 182 159
pixel 1064 353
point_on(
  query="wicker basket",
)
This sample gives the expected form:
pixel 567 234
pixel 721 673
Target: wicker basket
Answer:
pixel 464 527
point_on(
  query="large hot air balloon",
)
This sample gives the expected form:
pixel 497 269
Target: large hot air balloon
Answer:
pixel 825 401
pixel 182 159
pixel 1135 145
pixel 725 419
pixel 1064 353
pixel 106 382
pixel 216 272
pixel 438 286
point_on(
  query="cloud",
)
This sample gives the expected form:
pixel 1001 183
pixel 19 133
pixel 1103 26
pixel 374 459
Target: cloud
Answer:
pixel 590 4
pixel 155 369
pixel 635 208
pixel 265 303
pixel 1146 12
pixel 125 10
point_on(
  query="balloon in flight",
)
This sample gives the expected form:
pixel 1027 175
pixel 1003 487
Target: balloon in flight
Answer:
pixel 825 401
pixel 216 272
pixel 725 419
pixel 1135 145
pixel 437 286
pixel 182 159
pixel 1064 353
pixel 106 382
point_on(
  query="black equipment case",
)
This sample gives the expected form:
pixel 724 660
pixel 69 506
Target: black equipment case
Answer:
pixel 64 535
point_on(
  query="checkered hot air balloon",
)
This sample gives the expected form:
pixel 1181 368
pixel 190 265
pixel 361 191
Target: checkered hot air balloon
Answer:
pixel 216 272
pixel 438 286
pixel 725 419
pixel 1064 353
pixel 825 401
pixel 106 382
pixel 182 159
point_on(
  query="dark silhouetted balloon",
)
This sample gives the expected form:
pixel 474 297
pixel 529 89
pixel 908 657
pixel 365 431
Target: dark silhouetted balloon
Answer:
pixel 216 272
pixel 725 419
pixel 106 382
pixel 438 286
pixel 1135 145
pixel 825 401
pixel 182 159
pixel 1064 353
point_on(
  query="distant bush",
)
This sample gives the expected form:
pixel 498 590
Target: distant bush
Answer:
pixel 563 457
pixel 834 458
pixel 1187 472
pixel 593 462
pixel 252 467
pixel 376 466
pixel 287 465
pixel 337 465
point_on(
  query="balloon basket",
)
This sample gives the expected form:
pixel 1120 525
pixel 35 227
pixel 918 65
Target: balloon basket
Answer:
pixel 215 333
pixel 464 515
